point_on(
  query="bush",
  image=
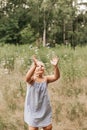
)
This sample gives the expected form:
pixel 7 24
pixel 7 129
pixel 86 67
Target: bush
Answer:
pixel 27 35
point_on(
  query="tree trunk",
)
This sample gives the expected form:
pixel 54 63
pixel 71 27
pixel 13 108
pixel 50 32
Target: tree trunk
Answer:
pixel 44 31
pixel 64 34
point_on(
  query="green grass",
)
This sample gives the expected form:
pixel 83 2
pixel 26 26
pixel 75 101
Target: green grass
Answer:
pixel 73 64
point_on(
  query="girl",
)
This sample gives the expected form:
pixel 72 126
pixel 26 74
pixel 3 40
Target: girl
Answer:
pixel 37 111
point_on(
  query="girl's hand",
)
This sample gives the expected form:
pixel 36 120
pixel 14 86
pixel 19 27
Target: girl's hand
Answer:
pixel 37 62
pixel 54 61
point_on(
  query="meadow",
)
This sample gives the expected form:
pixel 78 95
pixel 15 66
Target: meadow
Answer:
pixel 68 95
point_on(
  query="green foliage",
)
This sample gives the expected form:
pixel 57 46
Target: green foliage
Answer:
pixel 23 22
pixel 27 35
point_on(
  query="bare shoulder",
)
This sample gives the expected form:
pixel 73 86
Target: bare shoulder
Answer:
pixel 31 80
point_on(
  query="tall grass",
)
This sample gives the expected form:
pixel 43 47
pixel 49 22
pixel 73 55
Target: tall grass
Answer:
pixel 72 62
pixel 68 95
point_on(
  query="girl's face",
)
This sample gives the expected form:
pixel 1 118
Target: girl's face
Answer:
pixel 40 69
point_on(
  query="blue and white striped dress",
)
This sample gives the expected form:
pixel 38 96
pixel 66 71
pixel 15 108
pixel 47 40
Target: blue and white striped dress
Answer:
pixel 37 110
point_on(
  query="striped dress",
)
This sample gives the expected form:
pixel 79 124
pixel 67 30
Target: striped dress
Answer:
pixel 37 109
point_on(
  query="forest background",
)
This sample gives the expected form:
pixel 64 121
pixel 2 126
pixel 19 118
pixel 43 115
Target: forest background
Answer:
pixel 43 21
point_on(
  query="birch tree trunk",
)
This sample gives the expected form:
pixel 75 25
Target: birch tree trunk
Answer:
pixel 64 32
pixel 44 31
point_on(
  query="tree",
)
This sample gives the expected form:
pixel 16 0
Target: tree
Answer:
pixel 46 21
pixel 27 35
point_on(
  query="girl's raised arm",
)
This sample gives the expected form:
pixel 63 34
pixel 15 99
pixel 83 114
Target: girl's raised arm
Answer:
pixel 56 75
pixel 30 72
